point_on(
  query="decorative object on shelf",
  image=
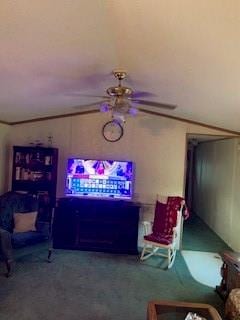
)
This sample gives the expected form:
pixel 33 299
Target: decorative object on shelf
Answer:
pixel 112 131
pixel 48 160
pixel 50 141
pixel 194 316
pixel 36 143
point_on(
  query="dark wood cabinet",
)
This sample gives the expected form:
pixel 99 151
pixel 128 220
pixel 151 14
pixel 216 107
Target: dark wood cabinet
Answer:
pixel 98 225
pixel 35 171
pixel 230 272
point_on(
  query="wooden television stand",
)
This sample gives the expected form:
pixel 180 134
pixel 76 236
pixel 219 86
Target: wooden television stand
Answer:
pixel 95 225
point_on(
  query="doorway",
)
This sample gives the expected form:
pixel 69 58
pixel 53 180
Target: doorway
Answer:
pixel 193 142
pixel 201 246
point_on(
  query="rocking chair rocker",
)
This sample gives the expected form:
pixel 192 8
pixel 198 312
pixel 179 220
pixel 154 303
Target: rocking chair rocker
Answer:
pixel 166 230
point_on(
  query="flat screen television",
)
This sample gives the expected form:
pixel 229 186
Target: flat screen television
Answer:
pixel 99 178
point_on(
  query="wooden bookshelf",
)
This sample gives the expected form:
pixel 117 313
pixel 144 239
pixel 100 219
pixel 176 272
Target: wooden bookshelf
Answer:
pixel 35 171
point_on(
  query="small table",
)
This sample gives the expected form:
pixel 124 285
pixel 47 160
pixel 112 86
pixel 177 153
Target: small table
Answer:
pixel 163 309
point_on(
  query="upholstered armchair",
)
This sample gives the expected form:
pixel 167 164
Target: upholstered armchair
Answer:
pixel 22 223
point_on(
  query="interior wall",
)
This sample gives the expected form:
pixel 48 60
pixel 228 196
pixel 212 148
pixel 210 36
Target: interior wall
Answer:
pixel 235 216
pixel 4 157
pixel 216 190
pixel 157 146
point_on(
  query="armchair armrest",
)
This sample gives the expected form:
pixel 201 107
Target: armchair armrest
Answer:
pixel 43 227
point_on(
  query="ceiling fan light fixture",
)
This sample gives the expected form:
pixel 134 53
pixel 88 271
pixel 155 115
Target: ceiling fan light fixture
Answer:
pixel 104 107
pixel 119 117
pixel 133 111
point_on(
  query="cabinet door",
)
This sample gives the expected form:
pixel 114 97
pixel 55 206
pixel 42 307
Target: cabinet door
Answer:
pixel 96 225
pixel 126 242
pixel 64 229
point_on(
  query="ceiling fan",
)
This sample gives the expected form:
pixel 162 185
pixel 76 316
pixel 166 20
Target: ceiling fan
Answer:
pixel 122 101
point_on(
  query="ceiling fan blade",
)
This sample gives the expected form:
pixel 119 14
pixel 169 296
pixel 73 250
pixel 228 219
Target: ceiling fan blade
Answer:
pixel 154 104
pixel 90 104
pixel 139 94
pixel 87 95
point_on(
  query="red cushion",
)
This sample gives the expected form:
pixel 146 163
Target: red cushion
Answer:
pixel 176 202
pixel 159 217
pixel 159 238
pixel 165 218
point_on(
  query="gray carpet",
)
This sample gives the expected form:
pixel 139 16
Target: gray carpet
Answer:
pixel 198 236
pixel 93 285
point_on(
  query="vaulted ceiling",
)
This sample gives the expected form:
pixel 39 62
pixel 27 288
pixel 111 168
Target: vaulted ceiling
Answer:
pixel 184 52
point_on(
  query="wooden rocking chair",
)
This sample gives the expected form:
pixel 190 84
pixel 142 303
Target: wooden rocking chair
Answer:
pixel 166 229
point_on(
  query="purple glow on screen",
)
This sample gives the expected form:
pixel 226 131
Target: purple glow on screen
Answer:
pixel 99 178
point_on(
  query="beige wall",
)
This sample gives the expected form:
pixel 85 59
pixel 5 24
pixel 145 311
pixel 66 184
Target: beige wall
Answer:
pixel 4 157
pixel 157 145
pixel 235 209
pixel 217 188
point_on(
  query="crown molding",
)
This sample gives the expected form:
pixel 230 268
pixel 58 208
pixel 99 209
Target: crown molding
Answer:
pixel 54 117
pixel 237 133
pixel 190 121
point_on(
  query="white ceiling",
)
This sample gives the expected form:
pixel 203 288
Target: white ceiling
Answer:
pixel 185 52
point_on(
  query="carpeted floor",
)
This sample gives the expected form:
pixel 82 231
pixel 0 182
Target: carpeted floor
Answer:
pixel 198 236
pixel 93 285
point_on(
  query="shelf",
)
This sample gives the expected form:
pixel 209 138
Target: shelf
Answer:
pixel 33 181
pixel 35 170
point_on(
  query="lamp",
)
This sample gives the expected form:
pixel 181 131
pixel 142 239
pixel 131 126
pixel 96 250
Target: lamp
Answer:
pixel 119 108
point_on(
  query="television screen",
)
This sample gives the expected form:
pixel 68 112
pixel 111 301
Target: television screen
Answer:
pixel 99 178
